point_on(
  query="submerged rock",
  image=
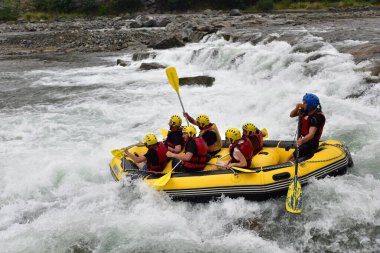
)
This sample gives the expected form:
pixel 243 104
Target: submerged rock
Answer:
pixel 197 80
pixel 122 63
pixel 151 65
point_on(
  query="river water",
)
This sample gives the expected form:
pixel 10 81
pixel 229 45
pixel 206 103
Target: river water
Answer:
pixel 61 116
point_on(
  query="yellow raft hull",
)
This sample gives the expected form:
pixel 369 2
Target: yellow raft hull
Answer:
pixel 270 175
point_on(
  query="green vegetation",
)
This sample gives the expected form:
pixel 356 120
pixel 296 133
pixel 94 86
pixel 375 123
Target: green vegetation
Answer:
pixel 9 9
pixel 48 9
pixel 265 5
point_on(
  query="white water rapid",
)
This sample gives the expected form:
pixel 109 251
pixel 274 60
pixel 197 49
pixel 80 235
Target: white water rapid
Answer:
pixel 60 119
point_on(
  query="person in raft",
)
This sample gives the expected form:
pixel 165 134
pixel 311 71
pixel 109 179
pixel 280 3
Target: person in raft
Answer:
pixel 312 122
pixel 195 156
pixel 174 140
pixel 240 149
pixel 208 131
pixel 155 158
pixel 255 136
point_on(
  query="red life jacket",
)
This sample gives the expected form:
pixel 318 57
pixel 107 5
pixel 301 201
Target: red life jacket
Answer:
pixel 198 160
pixel 245 148
pixel 170 144
pixel 162 158
pixel 305 125
pixel 257 142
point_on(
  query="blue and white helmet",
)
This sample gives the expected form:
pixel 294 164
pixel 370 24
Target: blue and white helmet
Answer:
pixel 311 100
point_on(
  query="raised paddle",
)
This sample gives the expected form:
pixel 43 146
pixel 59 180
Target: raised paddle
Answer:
pixel 164 132
pixel 294 198
pixel 162 181
pixel 264 131
pixel 171 73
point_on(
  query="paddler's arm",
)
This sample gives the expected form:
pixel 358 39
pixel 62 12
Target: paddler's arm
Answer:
pixel 294 112
pixel 240 157
pixel 176 149
pixel 308 137
pixel 211 148
pixel 136 159
pixel 189 118
pixel 184 157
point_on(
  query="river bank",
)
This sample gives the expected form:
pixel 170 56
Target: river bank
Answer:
pixel 141 32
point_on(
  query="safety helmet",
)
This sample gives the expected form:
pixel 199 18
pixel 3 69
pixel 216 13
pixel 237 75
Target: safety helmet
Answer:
pixel 175 121
pixel 150 139
pixel 203 120
pixel 190 130
pixel 233 134
pixel 249 127
pixel 312 101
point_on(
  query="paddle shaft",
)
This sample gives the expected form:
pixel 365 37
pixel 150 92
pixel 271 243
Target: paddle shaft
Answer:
pixel 183 108
pixel 298 136
pixel 162 181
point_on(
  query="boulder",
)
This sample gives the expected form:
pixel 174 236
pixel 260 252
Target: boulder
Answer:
pixel 197 80
pixel 167 43
pixel 151 65
pixel 122 63
pixel 235 12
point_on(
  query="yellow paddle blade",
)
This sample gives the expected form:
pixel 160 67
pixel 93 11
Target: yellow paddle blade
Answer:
pixel 164 132
pixel 264 131
pixel 162 181
pixel 118 153
pixel 294 203
pixel 171 73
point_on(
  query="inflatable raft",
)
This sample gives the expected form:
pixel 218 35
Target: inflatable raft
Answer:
pixel 269 175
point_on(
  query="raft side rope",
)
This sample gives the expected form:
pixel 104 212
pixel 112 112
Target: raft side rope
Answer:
pixel 343 148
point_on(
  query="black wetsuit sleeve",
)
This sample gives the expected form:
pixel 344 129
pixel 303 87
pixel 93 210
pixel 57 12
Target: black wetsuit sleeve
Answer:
pixel 209 137
pixel 176 138
pixel 317 121
pixel 191 147
pixel 151 156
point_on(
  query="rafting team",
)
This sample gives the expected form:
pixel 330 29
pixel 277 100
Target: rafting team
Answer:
pixel 198 150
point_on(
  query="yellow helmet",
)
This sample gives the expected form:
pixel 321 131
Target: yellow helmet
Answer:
pixel 249 127
pixel 175 121
pixel 233 134
pixel 150 139
pixel 190 130
pixel 203 120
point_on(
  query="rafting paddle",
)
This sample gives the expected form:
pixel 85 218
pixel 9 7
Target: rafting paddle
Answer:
pixel 162 181
pixel 264 131
pixel 294 203
pixel 164 132
pixel 118 153
pixel 236 168
pixel 171 73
